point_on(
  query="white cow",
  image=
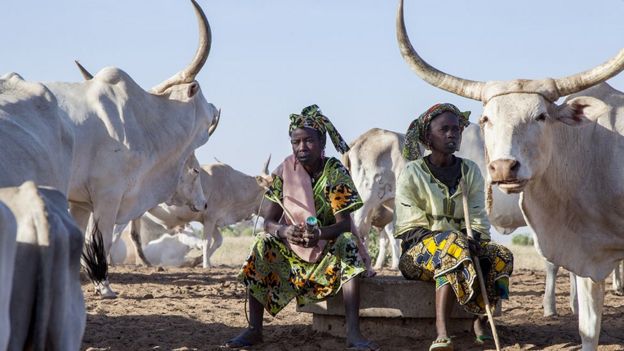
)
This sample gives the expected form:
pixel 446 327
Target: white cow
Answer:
pixel 37 143
pixel 40 270
pixel 232 197
pixel 131 145
pixel 167 250
pixel 570 176
pixel 375 160
pixel 171 250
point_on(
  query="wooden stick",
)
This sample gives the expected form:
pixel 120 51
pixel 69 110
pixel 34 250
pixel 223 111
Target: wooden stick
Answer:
pixel 477 264
pixel 288 214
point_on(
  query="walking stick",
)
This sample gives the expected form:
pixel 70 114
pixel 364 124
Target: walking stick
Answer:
pixel 477 264
pixel 288 214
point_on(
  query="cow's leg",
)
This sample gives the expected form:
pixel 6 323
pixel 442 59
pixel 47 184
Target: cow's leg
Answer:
pixel 591 299
pixel 81 214
pixel 618 272
pixel 362 220
pixel 67 316
pixel 383 243
pixel 98 242
pixel 135 235
pixel 395 246
pixel 117 232
pixel 217 240
pixel 550 301
pixel 574 306
pixel 209 226
pixel 98 269
pixel 361 226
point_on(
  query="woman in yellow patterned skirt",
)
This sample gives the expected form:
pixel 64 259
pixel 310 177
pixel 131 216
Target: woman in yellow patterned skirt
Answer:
pixel 289 262
pixel 430 221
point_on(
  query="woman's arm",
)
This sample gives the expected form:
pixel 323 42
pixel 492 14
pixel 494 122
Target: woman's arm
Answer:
pixel 479 221
pixel 272 214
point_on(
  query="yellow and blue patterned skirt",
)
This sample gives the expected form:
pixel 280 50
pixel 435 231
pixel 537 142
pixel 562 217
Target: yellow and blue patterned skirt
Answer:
pixel 275 275
pixel 445 258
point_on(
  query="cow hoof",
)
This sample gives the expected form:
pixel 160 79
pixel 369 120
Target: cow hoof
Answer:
pixel 105 292
pixel 550 314
pixel 376 267
pixel 619 292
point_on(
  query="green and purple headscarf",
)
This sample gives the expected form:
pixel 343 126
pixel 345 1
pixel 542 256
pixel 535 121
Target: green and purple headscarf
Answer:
pixel 417 130
pixel 312 117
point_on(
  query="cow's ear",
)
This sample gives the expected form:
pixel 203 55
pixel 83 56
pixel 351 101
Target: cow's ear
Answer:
pixel 193 89
pixel 580 111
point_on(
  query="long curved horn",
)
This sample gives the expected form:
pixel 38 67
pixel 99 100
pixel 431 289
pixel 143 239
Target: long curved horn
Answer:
pixel 580 81
pixel 85 74
pixel 214 124
pixel 466 88
pixel 205 41
pixel 265 167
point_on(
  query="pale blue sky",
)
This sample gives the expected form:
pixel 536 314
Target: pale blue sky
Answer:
pixel 271 58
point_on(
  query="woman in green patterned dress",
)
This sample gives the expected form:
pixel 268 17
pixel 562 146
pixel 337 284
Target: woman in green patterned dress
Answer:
pixel 430 221
pixel 273 273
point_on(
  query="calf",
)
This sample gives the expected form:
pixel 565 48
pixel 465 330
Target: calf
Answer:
pixel 232 196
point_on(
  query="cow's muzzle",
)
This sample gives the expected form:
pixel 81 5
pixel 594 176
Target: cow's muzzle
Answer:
pixel 504 173
pixel 199 208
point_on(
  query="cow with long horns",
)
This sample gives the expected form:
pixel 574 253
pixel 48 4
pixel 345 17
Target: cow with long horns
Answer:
pixel 130 146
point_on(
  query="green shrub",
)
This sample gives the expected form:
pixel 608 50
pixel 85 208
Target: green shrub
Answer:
pixel 522 239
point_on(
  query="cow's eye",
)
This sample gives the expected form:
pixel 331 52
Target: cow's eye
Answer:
pixel 195 170
pixel 483 120
pixel 541 117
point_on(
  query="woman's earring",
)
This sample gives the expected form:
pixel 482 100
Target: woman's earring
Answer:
pixel 322 153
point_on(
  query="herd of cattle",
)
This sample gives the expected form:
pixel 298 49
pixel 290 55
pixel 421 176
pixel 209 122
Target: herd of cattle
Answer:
pixel 94 148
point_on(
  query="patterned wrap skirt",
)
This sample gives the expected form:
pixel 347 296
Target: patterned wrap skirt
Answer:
pixel 445 258
pixel 274 275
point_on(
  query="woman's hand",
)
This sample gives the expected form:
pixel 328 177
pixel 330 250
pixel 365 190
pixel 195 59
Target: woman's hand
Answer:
pixel 294 234
pixel 475 246
pixel 311 239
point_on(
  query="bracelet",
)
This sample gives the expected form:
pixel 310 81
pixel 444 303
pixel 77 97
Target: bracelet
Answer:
pixel 277 231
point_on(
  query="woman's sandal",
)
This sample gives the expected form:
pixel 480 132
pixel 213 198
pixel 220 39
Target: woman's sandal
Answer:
pixel 441 344
pixel 483 339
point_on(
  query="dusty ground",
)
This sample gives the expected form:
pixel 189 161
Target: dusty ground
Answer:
pixel 193 309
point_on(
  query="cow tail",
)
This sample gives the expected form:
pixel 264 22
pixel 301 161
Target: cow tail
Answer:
pixel 94 257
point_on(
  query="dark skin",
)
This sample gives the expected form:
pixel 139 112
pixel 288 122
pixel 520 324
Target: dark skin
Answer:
pixel 307 147
pixel 443 138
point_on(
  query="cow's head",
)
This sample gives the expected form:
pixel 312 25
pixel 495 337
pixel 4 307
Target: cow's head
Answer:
pixel 265 179
pixel 184 90
pixel 519 116
pixel 183 87
pixel 189 191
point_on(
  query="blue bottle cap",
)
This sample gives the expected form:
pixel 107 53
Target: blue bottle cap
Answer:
pixel 312 221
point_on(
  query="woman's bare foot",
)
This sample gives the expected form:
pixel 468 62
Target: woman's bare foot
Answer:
pixel 247 338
